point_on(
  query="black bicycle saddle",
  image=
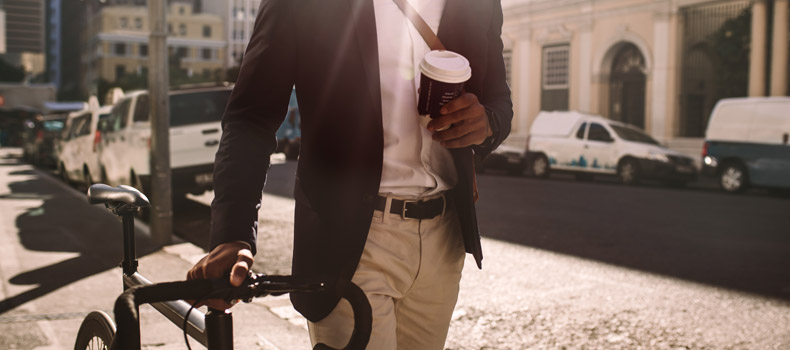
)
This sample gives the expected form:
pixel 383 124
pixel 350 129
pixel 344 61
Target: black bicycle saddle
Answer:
pixel 121 195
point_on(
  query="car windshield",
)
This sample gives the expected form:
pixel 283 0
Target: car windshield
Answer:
pixel 53 125
pixel 631 134
pixel 197 107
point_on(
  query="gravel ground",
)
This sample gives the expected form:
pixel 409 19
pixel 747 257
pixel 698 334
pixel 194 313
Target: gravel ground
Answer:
pixel 531 299
pixel 526 298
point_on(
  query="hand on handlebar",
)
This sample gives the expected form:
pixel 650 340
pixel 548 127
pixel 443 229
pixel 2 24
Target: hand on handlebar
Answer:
pixel 234 258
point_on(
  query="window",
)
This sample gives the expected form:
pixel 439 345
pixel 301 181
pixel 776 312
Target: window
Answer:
pixel 119 49
pixel 120 71
pixel 556 61
pixel 598 133
pixel 143 50
pixel 181 10
pixel 117 119
pixel 170 28
pixel 182 52
pixel 138 23
pixel 102 124
pixel 141 109
pixel 580 133
pixel 207 54
pixel 197 107
pixel 71 130
pixel 84 125
pixel 631 134
pixel 124 22
pixel 555 78
pixel 182 29
pixel 206 31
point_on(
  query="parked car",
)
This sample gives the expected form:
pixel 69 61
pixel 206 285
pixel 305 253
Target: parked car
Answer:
pixel 505 157
pixel 195 132
pixel 78 150
pixel 39 137
pixel 747 143
pixel 588 145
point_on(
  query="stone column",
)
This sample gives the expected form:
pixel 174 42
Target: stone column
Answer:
pixel 757 55
pixel 660 75
pixel 524 79
pixel 779 54
pixel 585 67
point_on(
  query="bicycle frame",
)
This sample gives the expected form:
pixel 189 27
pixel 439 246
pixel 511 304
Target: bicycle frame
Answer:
pixel 214 329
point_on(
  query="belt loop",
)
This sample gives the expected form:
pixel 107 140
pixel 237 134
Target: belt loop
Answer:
pixel 387 206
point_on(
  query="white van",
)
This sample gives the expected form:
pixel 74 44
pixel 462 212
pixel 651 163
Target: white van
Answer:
pixel 195 132
pixel 589 145
pixel 747 143
pixel 78 152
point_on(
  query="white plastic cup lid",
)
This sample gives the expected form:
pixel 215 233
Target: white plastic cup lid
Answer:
pixel 446 66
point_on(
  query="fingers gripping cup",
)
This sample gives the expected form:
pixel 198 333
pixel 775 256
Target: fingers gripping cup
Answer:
pixel 442 78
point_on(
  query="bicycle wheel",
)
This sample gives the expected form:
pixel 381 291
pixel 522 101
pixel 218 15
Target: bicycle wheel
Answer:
pixel 96 332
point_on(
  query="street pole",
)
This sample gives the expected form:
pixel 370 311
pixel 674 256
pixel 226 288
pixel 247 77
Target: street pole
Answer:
pixel 162 206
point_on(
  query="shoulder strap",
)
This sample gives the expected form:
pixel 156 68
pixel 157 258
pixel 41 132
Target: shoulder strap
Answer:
pixel 425 31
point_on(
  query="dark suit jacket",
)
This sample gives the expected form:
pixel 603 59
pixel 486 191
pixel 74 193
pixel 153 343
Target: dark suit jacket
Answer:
pixel 327 49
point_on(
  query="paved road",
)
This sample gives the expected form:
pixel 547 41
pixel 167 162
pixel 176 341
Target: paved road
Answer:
pixel 597 265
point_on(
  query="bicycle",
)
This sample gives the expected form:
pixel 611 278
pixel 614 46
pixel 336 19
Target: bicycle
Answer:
pixel 214 329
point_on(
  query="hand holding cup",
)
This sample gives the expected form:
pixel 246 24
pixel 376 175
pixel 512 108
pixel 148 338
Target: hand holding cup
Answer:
pixel 468 120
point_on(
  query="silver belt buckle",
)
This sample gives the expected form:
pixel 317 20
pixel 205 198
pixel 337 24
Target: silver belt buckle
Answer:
pixel 403 210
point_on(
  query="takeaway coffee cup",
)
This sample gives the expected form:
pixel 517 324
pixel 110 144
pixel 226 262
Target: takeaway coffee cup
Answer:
pixel 442 78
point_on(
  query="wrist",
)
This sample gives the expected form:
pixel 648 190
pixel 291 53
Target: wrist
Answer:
pixel 237 245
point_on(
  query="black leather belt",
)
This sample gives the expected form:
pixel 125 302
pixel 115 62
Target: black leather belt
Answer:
pixel 412 209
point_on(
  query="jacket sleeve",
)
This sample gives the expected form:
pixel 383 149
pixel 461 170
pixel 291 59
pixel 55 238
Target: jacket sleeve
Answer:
pixel 496 94
pixel 255 110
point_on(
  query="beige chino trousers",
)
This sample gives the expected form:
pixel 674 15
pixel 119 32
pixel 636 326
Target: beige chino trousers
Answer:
pixel 410 271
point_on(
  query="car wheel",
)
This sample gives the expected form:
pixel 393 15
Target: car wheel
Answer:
pixel 103 177
pixel 540 166
pixel 63 174
pixel 628 172
pixel 143 213
pixel 733 178
pixel 87 179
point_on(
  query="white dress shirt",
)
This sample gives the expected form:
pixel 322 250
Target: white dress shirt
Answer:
pixel 414 165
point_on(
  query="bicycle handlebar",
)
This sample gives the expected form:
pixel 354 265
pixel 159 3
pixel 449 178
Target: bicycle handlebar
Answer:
pixel 126 312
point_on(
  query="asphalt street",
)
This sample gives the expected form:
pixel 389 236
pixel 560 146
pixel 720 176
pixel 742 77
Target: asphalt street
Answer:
pixel 594 265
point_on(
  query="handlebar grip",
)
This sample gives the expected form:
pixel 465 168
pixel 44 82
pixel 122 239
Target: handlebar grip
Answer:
pixel 363 316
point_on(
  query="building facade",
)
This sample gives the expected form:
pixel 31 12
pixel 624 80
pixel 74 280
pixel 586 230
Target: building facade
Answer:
pixel 24 27
pixel 2 31
pixel 53 41
pixel 116 42
pixel 658 65
pixel 239 17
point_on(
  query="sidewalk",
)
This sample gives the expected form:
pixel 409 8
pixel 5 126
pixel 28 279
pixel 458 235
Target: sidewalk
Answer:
pixel 58 261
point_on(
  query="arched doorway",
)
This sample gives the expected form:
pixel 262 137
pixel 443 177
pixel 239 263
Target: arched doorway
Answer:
pixel 627 86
